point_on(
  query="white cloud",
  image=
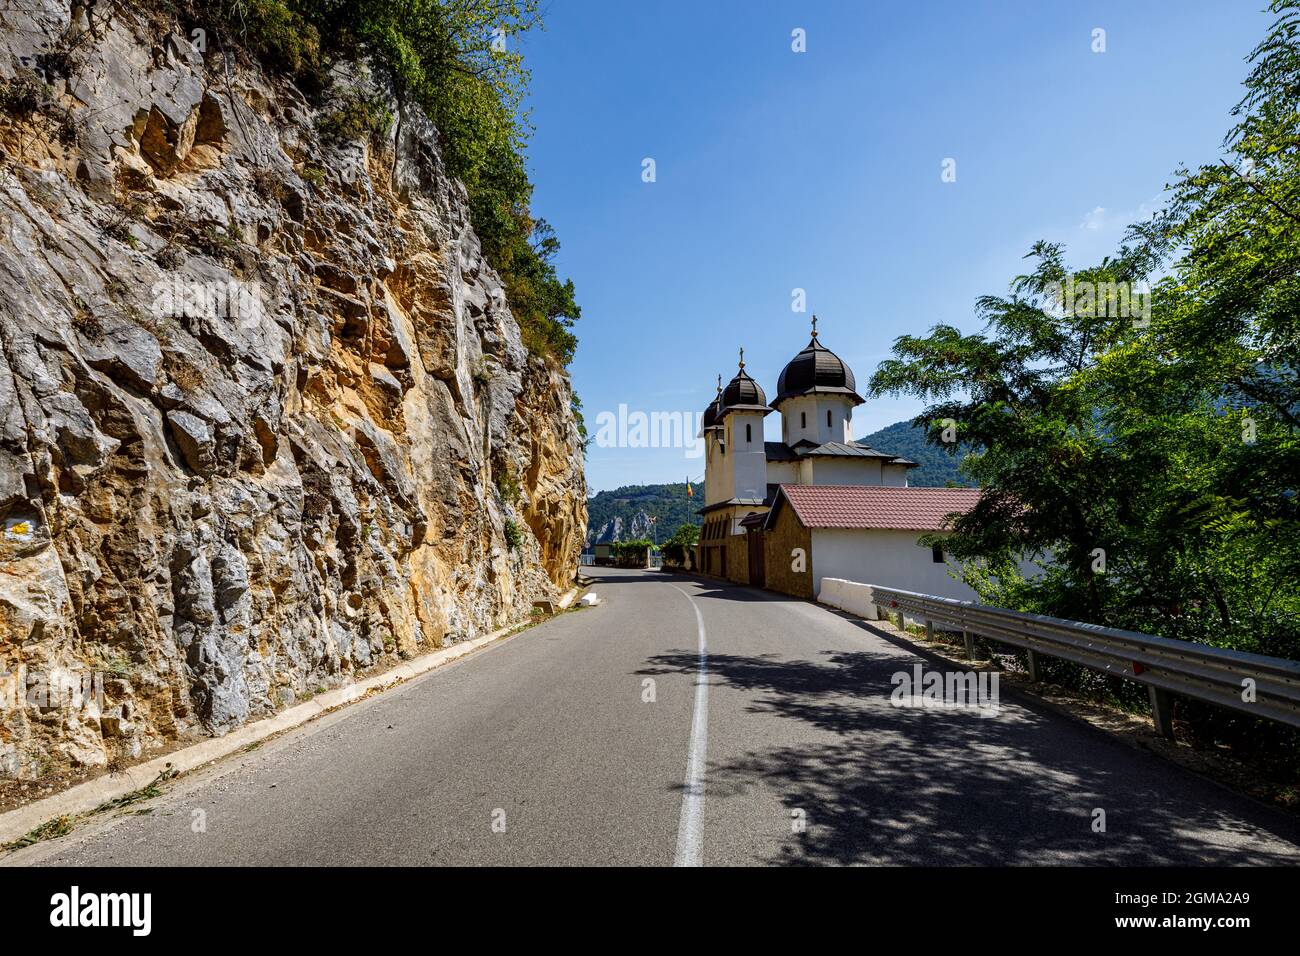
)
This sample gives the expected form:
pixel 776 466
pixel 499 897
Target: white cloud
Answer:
pixel 1094 220
pixel 1100 219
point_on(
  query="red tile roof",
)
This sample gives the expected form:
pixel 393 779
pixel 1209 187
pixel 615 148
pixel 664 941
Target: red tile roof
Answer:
pixel 877 506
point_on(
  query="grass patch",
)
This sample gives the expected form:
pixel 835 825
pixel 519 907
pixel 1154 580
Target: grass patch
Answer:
pixel 147 792
pixel 508 486
pixel 313 174
pixel 49 830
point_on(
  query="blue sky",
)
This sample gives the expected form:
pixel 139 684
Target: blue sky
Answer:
pixel 778 170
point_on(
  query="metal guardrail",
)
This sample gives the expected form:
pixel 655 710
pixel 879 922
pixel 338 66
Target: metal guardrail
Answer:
pixel 1212 674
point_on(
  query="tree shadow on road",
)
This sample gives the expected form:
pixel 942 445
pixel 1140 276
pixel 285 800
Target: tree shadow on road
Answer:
pixel 885 785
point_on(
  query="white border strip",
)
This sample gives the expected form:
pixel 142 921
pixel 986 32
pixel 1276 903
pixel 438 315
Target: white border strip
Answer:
pixel 690 825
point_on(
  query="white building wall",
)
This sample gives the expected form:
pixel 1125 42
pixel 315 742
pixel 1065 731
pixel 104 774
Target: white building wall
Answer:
pixel 805 417
pixel 746 459
pixel 841 428
pixel 715 477
pixel 894 476
pixel 791 428
pixel 783 472
pixel 843 471
pixel 740 513
pixel 888 558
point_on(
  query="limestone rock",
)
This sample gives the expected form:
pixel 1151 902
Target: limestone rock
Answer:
pixel 253 422
pixel 128 354
pixel 195 439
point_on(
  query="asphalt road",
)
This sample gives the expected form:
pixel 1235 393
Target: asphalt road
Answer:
pixel 548 749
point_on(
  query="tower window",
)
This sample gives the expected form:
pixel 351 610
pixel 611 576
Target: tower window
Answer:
pixel 803 419
pixel 828 418
pixel 748 435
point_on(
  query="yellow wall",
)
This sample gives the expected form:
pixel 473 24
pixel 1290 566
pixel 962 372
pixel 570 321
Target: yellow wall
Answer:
pixel 786 535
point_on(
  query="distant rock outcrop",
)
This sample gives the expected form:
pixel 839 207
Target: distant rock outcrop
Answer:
pixel 636 528
pixel 624 513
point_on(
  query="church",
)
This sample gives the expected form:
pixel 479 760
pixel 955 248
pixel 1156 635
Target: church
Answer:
pixel 786 514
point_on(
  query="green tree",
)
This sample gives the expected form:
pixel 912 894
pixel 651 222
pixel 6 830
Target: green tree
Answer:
pixel 686 534
pixel 683 539
pixel 1154 462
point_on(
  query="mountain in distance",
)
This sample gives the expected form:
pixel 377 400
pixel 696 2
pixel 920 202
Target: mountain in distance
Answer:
pixel 623 514
pixel 938 468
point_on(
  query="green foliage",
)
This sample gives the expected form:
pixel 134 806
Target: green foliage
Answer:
pixel 147 792
pixel 281 35
pixel 514 535
pixel 683 539
pixel 356 118
pixel 686 534
pixel 458 61
pixel 1172 446
pixel 508 486
pixel 575 406
pixel 21 98
pixel 631 554
pixel 49 830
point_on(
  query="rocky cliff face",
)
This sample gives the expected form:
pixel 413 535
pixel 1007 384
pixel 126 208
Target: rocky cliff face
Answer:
pixel 615 529
pixel 265 418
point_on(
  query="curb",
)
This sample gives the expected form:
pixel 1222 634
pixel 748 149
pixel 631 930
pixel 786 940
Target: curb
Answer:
pixel 87 796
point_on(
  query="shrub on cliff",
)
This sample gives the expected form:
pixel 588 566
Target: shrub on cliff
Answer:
pixel 514 535
pixel 356 117
pixel 278 34
pixel 21 98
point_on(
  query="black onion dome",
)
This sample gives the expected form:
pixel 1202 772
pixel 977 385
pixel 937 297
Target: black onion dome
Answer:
pixel 817 369
pixel 712 411
pixel 710 416
pixel 743 391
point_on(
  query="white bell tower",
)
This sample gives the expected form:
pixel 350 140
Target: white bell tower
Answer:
pixel 742 453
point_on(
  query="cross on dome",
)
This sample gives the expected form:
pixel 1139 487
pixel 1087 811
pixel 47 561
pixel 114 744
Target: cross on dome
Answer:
pixel 816 371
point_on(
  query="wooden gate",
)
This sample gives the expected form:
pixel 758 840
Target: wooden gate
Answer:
pixel 756 575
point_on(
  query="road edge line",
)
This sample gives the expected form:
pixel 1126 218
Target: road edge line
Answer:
pixel 690 822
